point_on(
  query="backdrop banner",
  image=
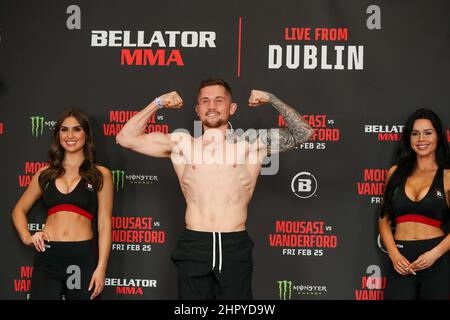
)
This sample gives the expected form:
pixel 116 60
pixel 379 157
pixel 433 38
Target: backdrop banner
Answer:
pixel 355 70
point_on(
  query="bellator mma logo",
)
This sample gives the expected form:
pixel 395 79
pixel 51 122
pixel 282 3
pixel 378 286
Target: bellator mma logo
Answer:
pixel 165 42
pixel 385 132
pixel 130 286
pixel 304 185
pixel 118 119
pixel 324 131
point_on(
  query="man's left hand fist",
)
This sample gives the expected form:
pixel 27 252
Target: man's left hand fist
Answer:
pixel 258 97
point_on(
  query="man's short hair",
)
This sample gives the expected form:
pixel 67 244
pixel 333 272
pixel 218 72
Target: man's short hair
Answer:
pixel 216 82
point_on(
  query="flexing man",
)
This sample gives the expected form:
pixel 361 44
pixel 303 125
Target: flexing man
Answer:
pixel 217 176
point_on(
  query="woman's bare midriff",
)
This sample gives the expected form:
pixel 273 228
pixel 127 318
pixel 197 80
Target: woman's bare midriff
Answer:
pixel 68 226
pixel 416 231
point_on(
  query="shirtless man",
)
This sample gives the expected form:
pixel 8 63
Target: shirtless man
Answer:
pixel 217 176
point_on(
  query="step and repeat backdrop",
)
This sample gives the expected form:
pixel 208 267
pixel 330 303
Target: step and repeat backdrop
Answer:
pixel 354 69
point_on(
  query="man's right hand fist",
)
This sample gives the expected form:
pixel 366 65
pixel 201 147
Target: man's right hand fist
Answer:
pixel 171 100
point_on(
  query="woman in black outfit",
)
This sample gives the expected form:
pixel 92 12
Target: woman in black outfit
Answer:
pixel 78 194
pixel 416 202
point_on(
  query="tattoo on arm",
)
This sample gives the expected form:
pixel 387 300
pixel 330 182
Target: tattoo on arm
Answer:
pixel 278 139
pixel 297 131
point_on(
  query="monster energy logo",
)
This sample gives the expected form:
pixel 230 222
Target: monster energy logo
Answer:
pixel 37 126
pixel 118 178
pixel 285 289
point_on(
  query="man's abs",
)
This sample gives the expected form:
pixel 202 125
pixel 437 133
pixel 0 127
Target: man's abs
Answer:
pixel 217 196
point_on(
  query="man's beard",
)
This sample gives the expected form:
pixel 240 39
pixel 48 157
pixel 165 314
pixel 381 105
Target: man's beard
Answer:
pixel 214 124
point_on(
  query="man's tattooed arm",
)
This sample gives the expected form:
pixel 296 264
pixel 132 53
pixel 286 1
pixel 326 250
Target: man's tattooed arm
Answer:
pixel 297 131
pixel 281 139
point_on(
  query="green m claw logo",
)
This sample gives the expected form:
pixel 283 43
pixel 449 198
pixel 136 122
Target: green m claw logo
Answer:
pixel 285 289
pixel 118 178
pixel 37 126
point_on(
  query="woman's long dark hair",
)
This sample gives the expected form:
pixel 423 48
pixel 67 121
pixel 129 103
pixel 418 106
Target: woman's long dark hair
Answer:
pixel 405 157
pixel 88 170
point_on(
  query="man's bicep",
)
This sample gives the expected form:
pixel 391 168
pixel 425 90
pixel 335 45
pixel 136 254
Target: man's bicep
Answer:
pixel 154 144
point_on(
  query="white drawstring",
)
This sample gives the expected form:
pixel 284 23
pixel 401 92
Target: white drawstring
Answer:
pixel 214 251
pixel 220 252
